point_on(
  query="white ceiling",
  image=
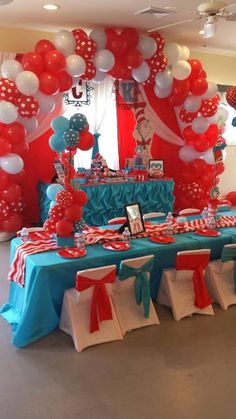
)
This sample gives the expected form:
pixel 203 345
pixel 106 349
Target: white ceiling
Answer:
pixel 120 13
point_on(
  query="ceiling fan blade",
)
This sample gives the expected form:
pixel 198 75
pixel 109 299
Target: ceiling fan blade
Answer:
pixel 231 17
pixel 156 10
pixel 227 7
pixel 170 25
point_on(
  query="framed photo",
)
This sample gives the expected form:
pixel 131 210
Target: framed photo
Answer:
pixel 156 165
pixel 134 218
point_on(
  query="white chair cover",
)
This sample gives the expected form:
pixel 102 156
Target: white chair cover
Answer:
pixel 220 281
pixel 131 315
pixel 153 215
pixel 75 316
pixel 177 290
pixel 189 211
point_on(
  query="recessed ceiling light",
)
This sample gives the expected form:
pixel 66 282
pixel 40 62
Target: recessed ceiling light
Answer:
pixel 201 32
pixel 51 6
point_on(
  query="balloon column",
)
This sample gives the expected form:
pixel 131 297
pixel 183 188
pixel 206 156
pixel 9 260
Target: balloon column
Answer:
pixel 67 204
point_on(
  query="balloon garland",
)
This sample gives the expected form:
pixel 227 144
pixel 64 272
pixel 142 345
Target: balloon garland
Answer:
pixel 28 88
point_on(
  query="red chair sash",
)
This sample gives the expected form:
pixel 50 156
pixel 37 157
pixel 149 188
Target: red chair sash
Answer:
pixel 196 263
pixel 100 305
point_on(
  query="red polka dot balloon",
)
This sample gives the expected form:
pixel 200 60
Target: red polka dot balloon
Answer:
pixel 79 34
pixel 86 48
pixel 50 226
pixel 4 209
pixel 209 107
pixel 17 206
pixel 157 62
pixel 57 212
pixel 65 198
pixel 231 97
pixel 90 72
pixel 159 40
pixel 28 106
pixel 187 117
pixel 8 90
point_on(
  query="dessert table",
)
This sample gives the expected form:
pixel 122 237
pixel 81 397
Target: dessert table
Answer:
pixel 107 200
pixel 34 310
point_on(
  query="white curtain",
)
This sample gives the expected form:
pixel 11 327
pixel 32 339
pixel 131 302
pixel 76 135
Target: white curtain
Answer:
pixel 161 128
pixel 101 115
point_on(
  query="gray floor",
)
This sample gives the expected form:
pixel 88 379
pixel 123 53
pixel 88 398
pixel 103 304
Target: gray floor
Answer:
pixel 184 370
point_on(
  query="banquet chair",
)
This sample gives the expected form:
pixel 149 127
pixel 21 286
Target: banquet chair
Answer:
pixel 183 288
pixel 117 220
pixel 221 277
pixel 131 294
pixel 189 211
pixel 88 314
pixel 153 215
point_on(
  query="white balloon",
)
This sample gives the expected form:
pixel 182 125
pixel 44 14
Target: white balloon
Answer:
pixel 200 125
pixel 65 42
pixel 147 46
pixel 185 53
pixel 188 154
pixel 173 52
pixel 104 60
pixel 46 103
pixel 181 70
pixel 220 117
pixel 11 68
pixel 211 90
pixel 208 156
pixel 11 163
pixel 100 76
pixel 100 37
pixel 27 83
pixel 8 112
pixel 75 81
pixel 162 93
pixel 141 73
pixel 75 65
pixel 192 103
pixel 30 124
pixel 164 78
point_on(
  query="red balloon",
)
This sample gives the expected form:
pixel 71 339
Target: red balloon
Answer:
pixel 117 44
pixel 28 106
pixel 179 93
pixel 187 117
pixel 50 226
pixel 86 48
pixel 11 193
pixel 220 168
pixel 159 40
pixel 208 179
pixel 64 80
pixel 57 212
pixel 80 198
pixel 5 146
pixel 54 61
pixel 4 210
pixel 90 72
pixel 196 68
pixel 212 134
pixel 48 84
pixel 201 144
pixel 15 132
pixel 4 179
pixel 64 228
pixel 8 90
pixel 158 62
pixel 33 61
pixel 231 196
pixel 130 36
pixel 203 74
pixel 44 46
pixel 199 167
pixel 86 141
pixel 79 34
pixel 12 223
pixel 231 96
pixel 20 148
pixel 73 213
pixel 199 86
pixel 120 72
pixel 133 58
pixel 65 198
pixel 18 178
pixel 209 107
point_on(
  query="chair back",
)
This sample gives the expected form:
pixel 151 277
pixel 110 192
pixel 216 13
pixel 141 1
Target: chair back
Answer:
pixel 153 215
pixel 117 220
pixel 96 274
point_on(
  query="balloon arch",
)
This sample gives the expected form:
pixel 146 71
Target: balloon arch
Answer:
pixel 29 88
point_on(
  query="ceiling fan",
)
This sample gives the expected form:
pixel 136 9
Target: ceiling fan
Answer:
pixel 210 12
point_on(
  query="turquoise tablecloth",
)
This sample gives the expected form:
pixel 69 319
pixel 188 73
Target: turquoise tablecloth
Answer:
pixel 107 200
pixel 34 311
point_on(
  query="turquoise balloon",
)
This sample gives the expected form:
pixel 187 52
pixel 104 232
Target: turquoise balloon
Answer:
pixel 52 204
pixel 53 190
pixel 56 143
pixel 79 122
pixel 60 124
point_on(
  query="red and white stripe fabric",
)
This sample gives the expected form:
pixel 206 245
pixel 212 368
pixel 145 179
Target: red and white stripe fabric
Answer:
pixel 17 271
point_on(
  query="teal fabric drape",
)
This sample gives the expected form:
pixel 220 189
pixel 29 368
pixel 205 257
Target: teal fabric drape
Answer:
pixel 141 283
pixel 229 253
pixel 96 145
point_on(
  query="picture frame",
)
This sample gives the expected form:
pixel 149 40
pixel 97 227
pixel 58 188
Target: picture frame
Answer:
pixel 134 218
pixel 156 165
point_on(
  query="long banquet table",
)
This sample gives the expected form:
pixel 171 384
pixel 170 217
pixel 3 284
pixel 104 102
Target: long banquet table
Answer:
pixel 34 311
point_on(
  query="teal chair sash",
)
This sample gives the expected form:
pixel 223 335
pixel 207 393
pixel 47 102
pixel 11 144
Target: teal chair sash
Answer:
pixel 229 253
pixel 141 285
